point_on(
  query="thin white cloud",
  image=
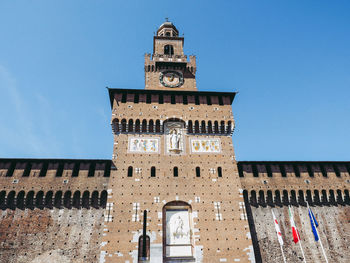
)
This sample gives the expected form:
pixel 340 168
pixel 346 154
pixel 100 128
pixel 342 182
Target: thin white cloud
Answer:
pixel 22 128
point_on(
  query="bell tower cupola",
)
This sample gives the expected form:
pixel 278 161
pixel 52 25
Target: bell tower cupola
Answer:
pixel 168 68
pixel 167 29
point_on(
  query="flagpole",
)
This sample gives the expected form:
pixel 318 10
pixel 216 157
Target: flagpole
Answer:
pixel 302 251
pixel 301 248
pixel 324 253
pixel 284 258
pixel 279 235
pixel 319 237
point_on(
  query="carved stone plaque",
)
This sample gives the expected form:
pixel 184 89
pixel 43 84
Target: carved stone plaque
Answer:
pixel 205 145
pixel 178 233
pixel 143 145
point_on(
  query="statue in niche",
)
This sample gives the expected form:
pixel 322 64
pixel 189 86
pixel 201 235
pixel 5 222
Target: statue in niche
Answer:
pixel 174 137
pixel 175 140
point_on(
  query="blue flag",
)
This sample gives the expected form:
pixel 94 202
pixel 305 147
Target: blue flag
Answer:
pixel 314 218
pixel 314 224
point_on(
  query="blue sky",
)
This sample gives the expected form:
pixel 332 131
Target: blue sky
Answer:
pixel 289 61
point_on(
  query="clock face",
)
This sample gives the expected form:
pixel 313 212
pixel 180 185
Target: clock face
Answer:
pixel 171 79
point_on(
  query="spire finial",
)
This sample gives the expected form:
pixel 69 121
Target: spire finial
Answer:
pixel 167 19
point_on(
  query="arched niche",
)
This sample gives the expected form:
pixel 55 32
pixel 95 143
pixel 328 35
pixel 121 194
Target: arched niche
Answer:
pixel 178 242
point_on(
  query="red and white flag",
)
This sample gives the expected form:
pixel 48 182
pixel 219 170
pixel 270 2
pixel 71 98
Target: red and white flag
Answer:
pixel 296 236
pixel 278 230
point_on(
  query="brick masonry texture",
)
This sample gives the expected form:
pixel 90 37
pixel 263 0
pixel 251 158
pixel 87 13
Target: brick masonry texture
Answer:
pixel 61 210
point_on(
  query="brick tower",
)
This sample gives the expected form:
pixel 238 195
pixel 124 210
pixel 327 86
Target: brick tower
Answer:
pixel 174 158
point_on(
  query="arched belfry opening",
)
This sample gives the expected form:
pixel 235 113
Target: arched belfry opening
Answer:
pixel 178 243
pixel 168 50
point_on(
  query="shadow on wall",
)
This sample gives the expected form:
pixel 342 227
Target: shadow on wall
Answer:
pixel 50 199
pixel 300 198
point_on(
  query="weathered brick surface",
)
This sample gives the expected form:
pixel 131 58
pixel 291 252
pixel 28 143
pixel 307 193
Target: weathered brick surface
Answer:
pixel 58 235
pixel 334 231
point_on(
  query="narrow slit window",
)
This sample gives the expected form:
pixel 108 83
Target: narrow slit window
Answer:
pixel 198 172
pixel 176 172
pixel 219 171
pixel 153 171
pixel 130 171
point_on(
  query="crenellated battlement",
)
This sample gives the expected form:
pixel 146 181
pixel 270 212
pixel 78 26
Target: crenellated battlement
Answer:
pixel 53 168
pixel 295 183
pixel 295 169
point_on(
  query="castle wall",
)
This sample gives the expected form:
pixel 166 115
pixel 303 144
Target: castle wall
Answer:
pixel 52 210
pixel 334 231
pixel 276 185
pixel 50 235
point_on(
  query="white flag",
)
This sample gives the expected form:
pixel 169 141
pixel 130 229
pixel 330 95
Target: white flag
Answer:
pixel 278 230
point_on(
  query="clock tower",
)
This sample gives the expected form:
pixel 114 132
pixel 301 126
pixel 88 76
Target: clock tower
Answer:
pixel 174 161
pixel 168 67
